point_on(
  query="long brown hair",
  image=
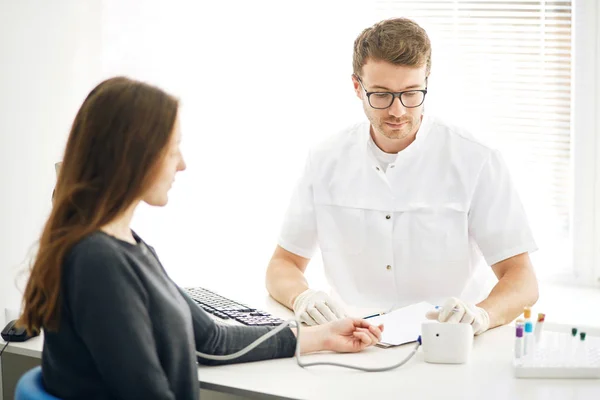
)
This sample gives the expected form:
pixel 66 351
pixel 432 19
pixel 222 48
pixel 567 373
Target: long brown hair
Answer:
pixel 117 141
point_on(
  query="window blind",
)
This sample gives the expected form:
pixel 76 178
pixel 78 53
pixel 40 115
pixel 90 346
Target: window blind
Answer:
pixel 507 66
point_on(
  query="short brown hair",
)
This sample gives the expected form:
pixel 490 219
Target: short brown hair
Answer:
pixel 118 138
pixel 399 41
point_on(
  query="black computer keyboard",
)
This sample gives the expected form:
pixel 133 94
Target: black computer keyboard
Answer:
pixel 224 308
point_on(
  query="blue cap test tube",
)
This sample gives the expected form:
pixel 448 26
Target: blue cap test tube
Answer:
pixel 528 340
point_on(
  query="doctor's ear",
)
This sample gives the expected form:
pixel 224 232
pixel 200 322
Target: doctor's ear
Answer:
pixel 357 87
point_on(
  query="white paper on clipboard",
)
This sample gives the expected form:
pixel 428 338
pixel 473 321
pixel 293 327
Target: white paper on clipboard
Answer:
pixel 402 325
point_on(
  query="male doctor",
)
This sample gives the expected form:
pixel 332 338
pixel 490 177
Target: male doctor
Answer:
pixel 405 208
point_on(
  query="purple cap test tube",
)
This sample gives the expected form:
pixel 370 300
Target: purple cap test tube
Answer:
pixel 519 342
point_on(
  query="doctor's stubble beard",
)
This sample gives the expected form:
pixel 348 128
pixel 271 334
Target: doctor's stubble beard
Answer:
pixel 410 128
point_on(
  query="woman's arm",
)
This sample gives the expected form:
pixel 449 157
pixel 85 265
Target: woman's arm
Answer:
pixel 215 339
pixel 346 335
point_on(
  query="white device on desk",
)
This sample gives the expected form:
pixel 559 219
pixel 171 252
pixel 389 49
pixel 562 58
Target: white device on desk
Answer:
pixel 446 343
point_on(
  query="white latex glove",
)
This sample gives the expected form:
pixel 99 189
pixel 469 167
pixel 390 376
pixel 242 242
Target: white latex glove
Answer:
pixel 455 310
pixel 315 308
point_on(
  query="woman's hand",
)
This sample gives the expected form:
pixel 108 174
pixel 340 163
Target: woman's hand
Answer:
pixel 348 335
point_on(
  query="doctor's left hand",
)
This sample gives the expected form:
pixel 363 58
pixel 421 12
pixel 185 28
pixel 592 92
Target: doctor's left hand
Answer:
pixel 457 311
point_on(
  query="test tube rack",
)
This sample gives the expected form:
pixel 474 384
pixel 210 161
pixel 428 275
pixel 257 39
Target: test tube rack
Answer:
pixel 559 355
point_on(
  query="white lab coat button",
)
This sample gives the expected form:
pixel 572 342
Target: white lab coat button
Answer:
pixel 377 168
pixel 388 267
pixel 388 216
pixel 392 166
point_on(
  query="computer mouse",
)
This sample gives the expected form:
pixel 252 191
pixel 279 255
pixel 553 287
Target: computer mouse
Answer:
pixel 14 333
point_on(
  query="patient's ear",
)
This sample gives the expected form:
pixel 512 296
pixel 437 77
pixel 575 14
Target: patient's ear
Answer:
pixel 57 167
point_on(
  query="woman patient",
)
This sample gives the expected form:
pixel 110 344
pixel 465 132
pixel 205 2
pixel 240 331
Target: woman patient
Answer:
pixel 115 324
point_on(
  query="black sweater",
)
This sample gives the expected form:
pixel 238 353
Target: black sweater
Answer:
pixel 128 332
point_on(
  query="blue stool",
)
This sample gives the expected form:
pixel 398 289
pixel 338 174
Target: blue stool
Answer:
pixel 30 386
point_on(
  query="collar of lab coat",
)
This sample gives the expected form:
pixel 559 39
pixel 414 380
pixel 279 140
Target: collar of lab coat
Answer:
pixel 350 177
pixel 405 155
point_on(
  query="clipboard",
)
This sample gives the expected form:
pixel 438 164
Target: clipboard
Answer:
pixel 402 325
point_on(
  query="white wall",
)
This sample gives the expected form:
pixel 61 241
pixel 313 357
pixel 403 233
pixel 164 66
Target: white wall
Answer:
pixel 247 74
pixel 49 59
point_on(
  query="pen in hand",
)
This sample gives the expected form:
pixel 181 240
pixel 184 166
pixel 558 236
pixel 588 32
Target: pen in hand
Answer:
pixel 373 315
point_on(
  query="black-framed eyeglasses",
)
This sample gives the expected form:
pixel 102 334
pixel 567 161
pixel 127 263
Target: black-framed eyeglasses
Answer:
pixel 382 100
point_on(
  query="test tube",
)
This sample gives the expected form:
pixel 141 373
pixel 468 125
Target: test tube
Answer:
pixel 539 326
pixel 571 347
pixel 581 354
pixel 529 340
pixel 519 342
pixel 527 313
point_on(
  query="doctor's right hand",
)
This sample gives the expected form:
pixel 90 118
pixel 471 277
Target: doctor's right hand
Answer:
pixel 458 311
pixel 315 308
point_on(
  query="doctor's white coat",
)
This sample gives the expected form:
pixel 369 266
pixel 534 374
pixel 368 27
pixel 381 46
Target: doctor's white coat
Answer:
pixel 421 230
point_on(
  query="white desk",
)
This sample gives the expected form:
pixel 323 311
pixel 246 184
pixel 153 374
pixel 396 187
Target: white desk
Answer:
pixel 487 375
